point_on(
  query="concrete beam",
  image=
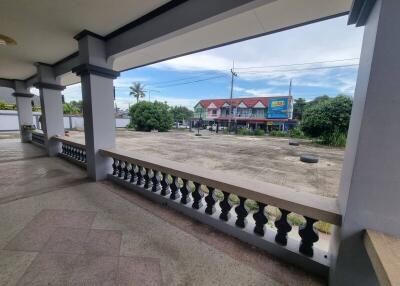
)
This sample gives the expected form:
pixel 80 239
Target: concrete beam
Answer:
pixel 9 83
pixel 186 16
pixel 31 80
pixel 66 65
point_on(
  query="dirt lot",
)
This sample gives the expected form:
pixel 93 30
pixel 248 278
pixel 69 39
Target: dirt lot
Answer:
pixel 263 158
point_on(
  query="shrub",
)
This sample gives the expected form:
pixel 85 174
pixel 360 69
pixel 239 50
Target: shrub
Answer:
pixel 336 139
pixel 296 133
pixel 244 131
pixel 259 132
pixel 278 133
pixel 6 106
pixel 324 117
pixel 147 116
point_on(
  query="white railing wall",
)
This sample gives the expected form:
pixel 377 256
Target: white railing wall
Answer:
pixel 9 121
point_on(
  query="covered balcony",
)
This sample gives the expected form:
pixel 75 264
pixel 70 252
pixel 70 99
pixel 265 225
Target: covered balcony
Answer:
pixel 89 213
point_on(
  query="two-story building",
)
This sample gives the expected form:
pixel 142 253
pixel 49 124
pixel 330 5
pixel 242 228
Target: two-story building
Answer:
pixel 253 112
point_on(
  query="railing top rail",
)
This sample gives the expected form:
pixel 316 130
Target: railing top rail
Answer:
pixel 69 141
pixel 306 204
pixel 37 132
pixel 384 253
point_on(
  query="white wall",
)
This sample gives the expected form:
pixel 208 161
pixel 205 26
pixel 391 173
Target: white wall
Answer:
pixel 9 121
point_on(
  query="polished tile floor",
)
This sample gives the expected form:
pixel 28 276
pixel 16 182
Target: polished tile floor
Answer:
pixel 58 228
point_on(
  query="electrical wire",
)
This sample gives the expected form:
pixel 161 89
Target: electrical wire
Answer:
pixel 190 82
pixel 294 70
pixel 309 63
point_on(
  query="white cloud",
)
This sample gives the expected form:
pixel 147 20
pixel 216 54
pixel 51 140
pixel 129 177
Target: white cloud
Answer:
pixel 187 102
pixel 124 103
pixel 127 81
pixel 329 40
pixel 34 90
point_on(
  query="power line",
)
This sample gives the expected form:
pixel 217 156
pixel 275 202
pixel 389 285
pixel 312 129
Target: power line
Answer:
pixel 189 82
pixel 176 82
pixel 182 79
pixel 294 70
pixel 300 64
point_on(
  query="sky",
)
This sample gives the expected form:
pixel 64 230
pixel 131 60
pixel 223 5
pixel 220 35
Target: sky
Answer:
pixel 320 58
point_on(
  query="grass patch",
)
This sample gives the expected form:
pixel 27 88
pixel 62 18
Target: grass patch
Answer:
pixel 249 132
pixel 276 133
pixel 336 139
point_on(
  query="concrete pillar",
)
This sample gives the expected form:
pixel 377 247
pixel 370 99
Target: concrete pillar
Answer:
pixel 369 194
pixel 24 107
pixel 51 105
pixel 98 102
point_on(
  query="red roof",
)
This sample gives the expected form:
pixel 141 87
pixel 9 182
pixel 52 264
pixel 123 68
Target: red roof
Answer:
pixel 248 101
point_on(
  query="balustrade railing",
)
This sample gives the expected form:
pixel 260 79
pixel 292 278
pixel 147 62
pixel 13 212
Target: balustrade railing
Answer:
pixel 38 138
pixel 72 151
pixel 208 197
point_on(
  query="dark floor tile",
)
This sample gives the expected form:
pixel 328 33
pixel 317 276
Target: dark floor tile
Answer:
pixel 67 240
pixel 103 242
pixel 139 271
pixel 48 269
pixel 30 238
pixel 94 270
pixel 64 218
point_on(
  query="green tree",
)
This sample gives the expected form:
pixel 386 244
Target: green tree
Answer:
pixel 298 108
pixel 137 91
pixel 327 116
pixel 68 108
pixel 78 104
pixel 320 99
pixel 147 116
pixel 181 113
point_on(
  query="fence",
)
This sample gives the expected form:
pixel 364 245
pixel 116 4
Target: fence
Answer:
pixel 9 121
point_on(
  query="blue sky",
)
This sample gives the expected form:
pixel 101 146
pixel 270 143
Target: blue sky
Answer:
pixel 320 58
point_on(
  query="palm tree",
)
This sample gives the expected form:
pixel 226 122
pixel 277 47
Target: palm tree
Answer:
pixel 137 90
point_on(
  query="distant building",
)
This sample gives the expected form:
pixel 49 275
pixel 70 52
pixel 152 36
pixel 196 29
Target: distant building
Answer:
pixel 269 113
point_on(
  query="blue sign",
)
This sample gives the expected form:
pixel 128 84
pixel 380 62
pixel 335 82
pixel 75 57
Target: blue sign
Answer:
pixel 278 108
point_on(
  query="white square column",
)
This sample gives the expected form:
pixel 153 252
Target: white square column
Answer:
pixel 369 196
pixel 98 102
pixel 24 108
pixel 52 107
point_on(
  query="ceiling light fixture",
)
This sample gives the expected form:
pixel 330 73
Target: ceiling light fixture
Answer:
pixel 6 41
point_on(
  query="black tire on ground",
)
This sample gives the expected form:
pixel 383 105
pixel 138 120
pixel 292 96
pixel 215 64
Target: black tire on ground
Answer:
pixel 309 158
pixel 294 143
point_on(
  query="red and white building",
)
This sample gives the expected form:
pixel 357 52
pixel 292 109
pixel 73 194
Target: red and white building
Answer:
pixel 253 112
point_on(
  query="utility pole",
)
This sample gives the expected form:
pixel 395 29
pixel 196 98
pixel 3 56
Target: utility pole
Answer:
pixel 290 113
pixel 149 90
pixel 233 75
